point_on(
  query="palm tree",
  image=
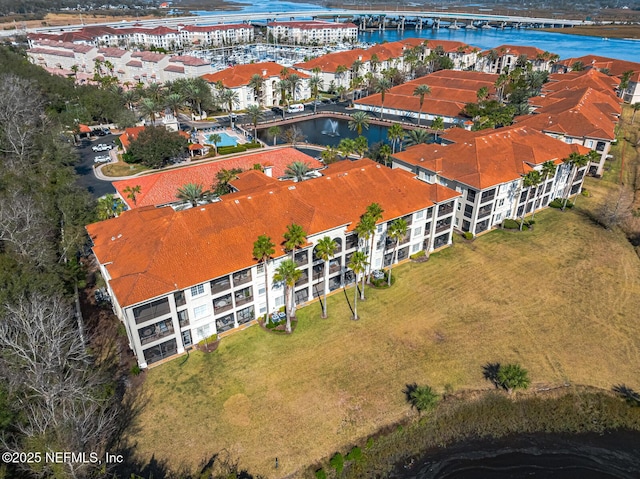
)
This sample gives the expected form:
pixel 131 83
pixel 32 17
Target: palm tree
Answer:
pixel 359 120
pixel 254 112
pixel 109 207
pixel 365 229
pixel 577 161
pixel 340 73
pixel 397 231
pixel 315 85
pixel 636 107
pixel 193 193
pixel 420 91
pixel 347 146
pixel 194 95
pixel 385 154
pixel 215 138
pixel 325 250
pixel 357 264
pixel 374 211
pixel 129 97
pixel 530 180
pixel 294 238
pixel 374 62
pixel 395 133
pixel 274 131
pixel 263 249
pixel 288 274
pixel 154 91
pixel 283 86
pixel 132 192
pixel 149 108
pixel 482 93
pixel 415 137
pixel 229 99
pixel 361 145
pixel 501 84
pixel 297 171
pixel 294 84
pixel 224 177
pixel 174 101
pixel 513 376
pixel 257 82
pixel 329 155
pixel 382 86
pixel 548 170
pixel 436 125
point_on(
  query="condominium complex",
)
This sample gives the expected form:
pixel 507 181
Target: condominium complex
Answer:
pixel 312 32
pixel 178 277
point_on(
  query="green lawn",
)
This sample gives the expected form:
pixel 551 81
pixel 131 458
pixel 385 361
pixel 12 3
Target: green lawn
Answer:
pixel 562 300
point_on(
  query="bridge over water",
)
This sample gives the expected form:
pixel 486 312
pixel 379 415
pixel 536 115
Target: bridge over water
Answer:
pixel 379 18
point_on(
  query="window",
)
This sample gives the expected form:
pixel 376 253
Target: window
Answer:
pixel 260 268
pixel 279 301
pixel 200 311
pixel 161 351
pixel 419 214
pixel 151 310
pixel 261 291
pixel 179 298
pixel 468 211
pixel 197 290
pixel 500 202
pixel 222 304
pixel 471 196
pixel 203 331
pixel 415 248
pixel 183 317
pixel 417 231
pixel 246 315
pixel 186 338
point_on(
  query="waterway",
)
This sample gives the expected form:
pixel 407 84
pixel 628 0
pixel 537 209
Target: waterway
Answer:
pixel 565 45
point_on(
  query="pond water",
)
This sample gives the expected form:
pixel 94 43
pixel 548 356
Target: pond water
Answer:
pixel 329 132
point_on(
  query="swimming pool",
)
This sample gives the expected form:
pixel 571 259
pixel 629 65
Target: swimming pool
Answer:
pixel 225 140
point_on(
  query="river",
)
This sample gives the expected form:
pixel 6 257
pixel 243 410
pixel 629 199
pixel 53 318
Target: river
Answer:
pixel 565 45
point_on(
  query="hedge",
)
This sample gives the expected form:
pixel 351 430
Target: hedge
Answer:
pixel 510 224
pixel 225 150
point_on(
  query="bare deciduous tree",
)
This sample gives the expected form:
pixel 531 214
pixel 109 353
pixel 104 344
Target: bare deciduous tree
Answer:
pixel 616 208
pixel 24 226
pixel 21 116
pixel 66 402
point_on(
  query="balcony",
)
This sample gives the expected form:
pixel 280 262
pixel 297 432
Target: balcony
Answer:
pixel 304 278
pixel 445 209
pixel 302 258
pixel 351 242
pixel 443 225
pixel 183 318
pixel 225 323
pixel 222 304
pixel 318 271
pixel 149 334
pixel 220 285
pixel 152 310
pixel 243 296
pixel 488 196
pixel 241 277
pixel 485 211
pixel 245 315
pixel 334 266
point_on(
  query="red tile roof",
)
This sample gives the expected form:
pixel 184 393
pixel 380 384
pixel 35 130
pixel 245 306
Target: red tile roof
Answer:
pixel 240 75
pixel 49 51
pixel 583 112
pixel 150 56
pixel 154 251
pixel 189 60
pixel 587 78
pixel 112 52
pixel 160 188
pixel 615 67
pixel 174 68
pixel 451 90
pixel 483 159
pixel 129 135
pixel 531 53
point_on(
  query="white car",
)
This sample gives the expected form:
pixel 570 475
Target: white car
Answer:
pixel 101 147
pixel 102 159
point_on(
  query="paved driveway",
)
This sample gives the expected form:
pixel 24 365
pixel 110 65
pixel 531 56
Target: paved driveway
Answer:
pixel 84 168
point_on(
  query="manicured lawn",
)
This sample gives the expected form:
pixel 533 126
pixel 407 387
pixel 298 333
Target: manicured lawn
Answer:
pixel 562 300
pixel 121 168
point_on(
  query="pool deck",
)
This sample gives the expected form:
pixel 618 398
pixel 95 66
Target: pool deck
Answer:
pixel 202 136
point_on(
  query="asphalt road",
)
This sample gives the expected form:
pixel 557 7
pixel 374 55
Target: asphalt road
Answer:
pixel 84 168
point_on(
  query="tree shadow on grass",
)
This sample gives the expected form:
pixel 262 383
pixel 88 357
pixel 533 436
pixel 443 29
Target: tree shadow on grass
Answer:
pixel 629 395
pixel 408 392
pixel 490 373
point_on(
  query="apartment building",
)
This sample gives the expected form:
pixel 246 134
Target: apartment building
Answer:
pixel 239 79
pixel 312 32
pixel 216 35
pixel 178 277
pixel 505 58
pixel 486 167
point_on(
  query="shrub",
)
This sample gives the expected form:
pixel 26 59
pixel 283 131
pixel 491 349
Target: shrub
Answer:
pixel 320 474
pixel 337 462
pixel 558 202
pixel 225 150
pixel 135 370
pixel 354 455
pixel 468 235
pixel 419 254
pixel 423 398
pixel 510 224
pixel 210 339
pixel 513 376
pixel 369 443
pixel 252 145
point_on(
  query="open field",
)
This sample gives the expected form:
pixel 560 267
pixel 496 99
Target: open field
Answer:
pixel 608 31
pixel 62 19
pixel 562 300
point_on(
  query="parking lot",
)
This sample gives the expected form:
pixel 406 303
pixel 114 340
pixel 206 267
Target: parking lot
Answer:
pixel 84 168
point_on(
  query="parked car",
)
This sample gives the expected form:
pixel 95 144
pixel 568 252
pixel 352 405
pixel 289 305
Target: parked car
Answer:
pixel 298 107
pixel 101 147
pixel 102 159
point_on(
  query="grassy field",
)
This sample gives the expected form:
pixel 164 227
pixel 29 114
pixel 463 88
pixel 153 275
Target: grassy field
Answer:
pixel 120 168
pixel 562 300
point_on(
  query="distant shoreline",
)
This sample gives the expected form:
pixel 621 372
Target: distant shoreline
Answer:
pixel 623 32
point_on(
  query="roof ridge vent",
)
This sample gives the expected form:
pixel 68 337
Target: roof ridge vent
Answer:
pixel 237 202
pixel 292 187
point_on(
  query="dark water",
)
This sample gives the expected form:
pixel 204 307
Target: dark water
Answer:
pixel 329 132
pixel 585 456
